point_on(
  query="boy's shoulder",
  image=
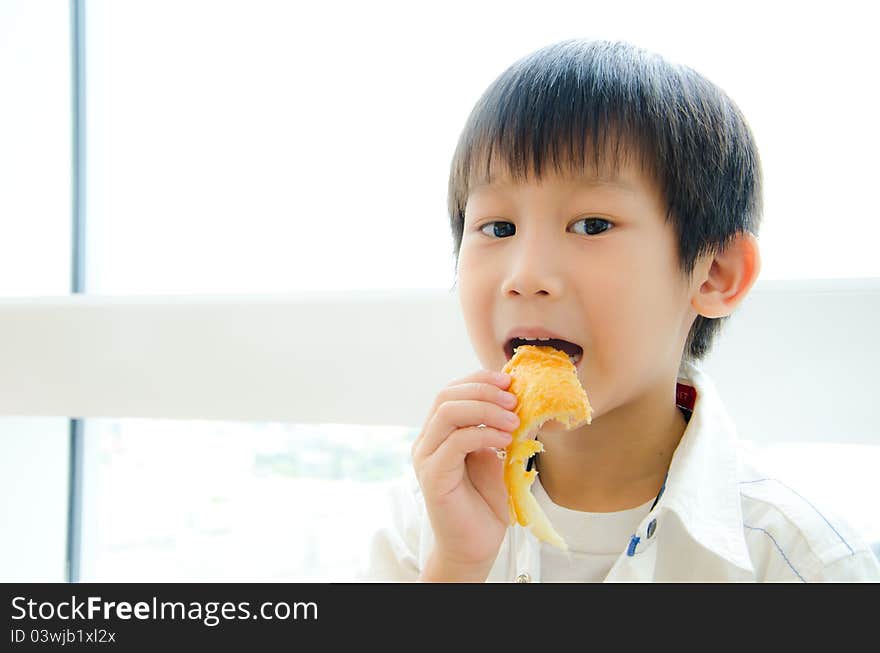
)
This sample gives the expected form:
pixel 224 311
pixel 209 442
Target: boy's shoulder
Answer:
pixel 790 532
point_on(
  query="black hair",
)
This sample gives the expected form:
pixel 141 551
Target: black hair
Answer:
pixel 578 101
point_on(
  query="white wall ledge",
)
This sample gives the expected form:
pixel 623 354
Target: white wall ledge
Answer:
pixel 796 362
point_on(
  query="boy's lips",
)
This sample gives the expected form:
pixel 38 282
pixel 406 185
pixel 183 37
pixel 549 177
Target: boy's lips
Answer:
pixel 541 337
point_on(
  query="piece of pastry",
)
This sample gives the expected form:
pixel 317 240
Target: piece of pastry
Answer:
pixel 547 387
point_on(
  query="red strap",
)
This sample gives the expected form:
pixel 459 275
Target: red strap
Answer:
pixel 685 396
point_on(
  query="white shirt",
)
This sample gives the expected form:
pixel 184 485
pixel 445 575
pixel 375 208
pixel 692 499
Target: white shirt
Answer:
pixel 594 539
pixel 722 517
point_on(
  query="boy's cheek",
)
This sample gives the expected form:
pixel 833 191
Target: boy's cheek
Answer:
pixel 478 323
pixel 474 287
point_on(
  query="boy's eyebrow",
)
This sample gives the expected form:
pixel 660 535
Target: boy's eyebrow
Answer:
pixel 613 181
pixel 587 182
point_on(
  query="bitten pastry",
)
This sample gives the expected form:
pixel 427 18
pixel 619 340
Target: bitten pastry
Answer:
pixel 546 385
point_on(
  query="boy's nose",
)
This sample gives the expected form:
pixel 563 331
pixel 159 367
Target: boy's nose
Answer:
pixel 534 269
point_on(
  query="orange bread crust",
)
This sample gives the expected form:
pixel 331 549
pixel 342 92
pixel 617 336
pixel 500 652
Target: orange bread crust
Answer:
pixel 547 387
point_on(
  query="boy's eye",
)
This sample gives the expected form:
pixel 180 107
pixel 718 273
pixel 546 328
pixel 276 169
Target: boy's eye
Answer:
pixel 499 229
pixel 594 226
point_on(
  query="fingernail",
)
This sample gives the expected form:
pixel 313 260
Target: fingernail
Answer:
pixel 502 377
pixel 508 398
pixel 512 419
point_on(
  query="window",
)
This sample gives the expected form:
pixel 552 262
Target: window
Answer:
pixel 284 147
pixel 182 500
pixel 34 260
pixel 274 147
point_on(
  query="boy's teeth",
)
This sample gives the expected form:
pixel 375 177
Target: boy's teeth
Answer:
pixel 574 359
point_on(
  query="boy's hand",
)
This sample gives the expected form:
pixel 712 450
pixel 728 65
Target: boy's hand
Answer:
pixel 461 476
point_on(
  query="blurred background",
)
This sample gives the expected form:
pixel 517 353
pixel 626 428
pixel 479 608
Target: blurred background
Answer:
pixel 198 147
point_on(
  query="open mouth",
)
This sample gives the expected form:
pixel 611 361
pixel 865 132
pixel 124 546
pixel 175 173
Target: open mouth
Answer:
pixel 575 352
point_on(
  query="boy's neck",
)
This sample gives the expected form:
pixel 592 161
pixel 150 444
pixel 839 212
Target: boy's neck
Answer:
pixel 616 463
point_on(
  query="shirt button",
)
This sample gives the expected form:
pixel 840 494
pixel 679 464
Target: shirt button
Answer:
pixel 524 578
pixel 652 527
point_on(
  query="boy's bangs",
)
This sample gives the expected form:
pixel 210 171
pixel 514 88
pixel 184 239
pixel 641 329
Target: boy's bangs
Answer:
pixel 516 137
pixel 521 158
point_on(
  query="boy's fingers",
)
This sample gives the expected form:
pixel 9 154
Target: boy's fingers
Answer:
pixel 461 414
pixel 481 377
pixel 500 379
pixel 450 456
pixel 451 391
pixel 478 392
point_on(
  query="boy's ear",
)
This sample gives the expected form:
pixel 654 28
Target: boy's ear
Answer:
pixel 723 280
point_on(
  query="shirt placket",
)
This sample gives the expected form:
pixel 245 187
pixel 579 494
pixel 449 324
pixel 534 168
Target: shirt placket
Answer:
pixel 526 558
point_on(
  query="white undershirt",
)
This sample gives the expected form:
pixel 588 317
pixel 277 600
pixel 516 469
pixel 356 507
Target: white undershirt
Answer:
pixel 595 540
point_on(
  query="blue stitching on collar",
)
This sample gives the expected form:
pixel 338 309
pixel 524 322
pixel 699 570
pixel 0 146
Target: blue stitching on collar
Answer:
pixel 778 548
pixel 851 552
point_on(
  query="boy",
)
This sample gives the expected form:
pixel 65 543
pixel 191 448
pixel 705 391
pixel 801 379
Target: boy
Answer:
pixel 603 196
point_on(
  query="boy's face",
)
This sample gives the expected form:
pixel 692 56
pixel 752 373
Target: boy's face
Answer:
pixel 592 260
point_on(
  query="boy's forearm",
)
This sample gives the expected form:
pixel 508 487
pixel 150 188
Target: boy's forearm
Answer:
pixel 438 570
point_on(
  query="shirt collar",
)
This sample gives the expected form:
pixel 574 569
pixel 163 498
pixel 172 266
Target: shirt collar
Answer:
pixel 702 487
